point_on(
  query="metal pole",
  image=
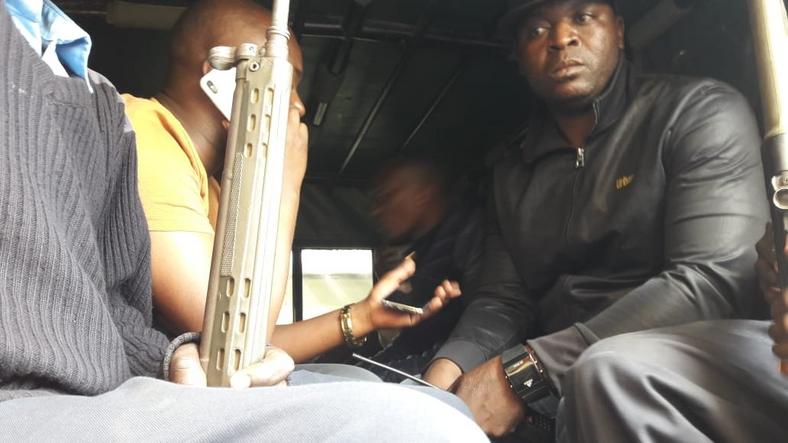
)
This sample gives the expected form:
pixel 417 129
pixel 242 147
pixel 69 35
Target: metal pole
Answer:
pixel 373 113
pixel 457 73
pixel 421 29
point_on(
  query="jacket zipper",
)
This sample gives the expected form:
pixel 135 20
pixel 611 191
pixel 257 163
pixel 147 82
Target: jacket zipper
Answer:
pixel 580 163
pixel 580 159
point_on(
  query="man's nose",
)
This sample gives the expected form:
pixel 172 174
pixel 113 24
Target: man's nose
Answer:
pixel 563 35
pixel 295 102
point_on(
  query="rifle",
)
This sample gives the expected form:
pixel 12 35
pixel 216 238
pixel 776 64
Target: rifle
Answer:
pixel 769 24
pixel 236 327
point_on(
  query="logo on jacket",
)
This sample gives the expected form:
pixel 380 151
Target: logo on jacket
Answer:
pixel 623 182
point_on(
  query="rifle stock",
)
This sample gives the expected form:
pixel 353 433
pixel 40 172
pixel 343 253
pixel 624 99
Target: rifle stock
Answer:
pixel 770 36
pixel 236 326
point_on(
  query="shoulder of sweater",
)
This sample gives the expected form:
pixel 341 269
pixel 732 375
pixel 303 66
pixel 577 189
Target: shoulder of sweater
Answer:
pixel 106 91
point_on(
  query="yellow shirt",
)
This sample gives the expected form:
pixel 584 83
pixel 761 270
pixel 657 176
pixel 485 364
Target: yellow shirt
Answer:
pixel 176 192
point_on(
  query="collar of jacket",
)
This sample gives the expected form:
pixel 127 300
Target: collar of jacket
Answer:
pixel 543 136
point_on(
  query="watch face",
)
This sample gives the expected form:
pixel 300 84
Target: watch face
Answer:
pixel 524 376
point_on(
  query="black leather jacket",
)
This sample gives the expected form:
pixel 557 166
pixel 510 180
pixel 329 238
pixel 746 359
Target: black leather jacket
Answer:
pixel 654 225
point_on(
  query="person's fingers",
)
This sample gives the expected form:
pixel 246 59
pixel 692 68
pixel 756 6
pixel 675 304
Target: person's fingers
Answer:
pixel 272 370
pixel 779 311
pixel 185 368
pixel 393 279
pixel 296 131
pixel 772 294
pixel 293 117
pixel 778 331
pixel 443 293
pixel 452 288
pixel 765 246
pixel 436 303
pixel 297 141
pixel 779 303
pixel 767 278
pixel 303 134
pixel 781 351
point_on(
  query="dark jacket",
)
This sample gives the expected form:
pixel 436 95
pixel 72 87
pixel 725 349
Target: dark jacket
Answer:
pixel 452 251
pixel 655 228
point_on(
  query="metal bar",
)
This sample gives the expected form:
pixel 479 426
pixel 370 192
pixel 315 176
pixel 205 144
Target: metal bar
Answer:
pixel 381 36
pixel 373 113
pixel 331 73
pixel 435 103
pixel 421 29
pixel 278 33
pixel 394 370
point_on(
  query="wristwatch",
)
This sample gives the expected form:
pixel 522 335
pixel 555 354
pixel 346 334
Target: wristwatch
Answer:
pixel 525 374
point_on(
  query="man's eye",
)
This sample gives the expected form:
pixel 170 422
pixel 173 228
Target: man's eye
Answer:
pixel 583 17
pixel 536 31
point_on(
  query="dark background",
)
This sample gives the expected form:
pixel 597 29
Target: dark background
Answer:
pixel 444 82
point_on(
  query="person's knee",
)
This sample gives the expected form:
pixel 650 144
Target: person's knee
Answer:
pixel 415 415
pixel 605 364
pixel 330 372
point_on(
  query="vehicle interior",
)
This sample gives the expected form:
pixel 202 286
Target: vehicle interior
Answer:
pixel 391 78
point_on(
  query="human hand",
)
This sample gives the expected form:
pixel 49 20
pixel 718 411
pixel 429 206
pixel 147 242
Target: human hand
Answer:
pixel 388 257
pixel 370 314
pixel 442 373
pixel 487 394
pixel 766 268
pixel 185 369
pixel 296 147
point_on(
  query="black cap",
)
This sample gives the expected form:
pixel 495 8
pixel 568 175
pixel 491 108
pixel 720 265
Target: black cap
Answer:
pixel 517 9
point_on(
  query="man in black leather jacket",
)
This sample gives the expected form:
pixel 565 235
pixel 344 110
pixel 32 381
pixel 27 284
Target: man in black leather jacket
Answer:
pixel 632 202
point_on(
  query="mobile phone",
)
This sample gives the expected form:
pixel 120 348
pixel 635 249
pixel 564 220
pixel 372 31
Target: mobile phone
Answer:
pixel 402 307
pixel 219 86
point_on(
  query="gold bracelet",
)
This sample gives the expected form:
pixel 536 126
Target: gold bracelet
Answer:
pixel 346 325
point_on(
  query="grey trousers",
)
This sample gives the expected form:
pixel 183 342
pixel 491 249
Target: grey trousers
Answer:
pixel 708 381
pixel 316 408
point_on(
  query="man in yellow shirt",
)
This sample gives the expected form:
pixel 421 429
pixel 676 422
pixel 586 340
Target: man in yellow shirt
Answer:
pixel 177 191
pixel 181 138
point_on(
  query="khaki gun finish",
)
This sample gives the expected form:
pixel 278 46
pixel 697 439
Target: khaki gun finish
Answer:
pixel 770 36
pixel 236 326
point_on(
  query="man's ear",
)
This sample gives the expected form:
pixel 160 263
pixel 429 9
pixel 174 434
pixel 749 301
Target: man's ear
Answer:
pixel 206 67
pixel 620 32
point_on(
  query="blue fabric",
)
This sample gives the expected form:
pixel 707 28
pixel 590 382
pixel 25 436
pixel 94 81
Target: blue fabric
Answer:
pixel 43 24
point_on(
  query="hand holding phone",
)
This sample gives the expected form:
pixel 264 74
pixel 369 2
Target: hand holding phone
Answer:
pixel 402 307
pixel 384 313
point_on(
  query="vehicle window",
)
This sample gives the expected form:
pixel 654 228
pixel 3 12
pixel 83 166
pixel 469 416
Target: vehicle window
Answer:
pixel 331 278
